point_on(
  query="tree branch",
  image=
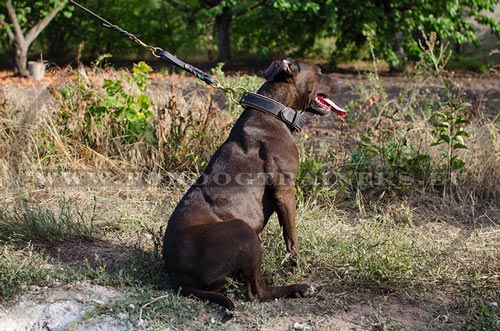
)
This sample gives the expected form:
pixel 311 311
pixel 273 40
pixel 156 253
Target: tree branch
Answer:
pixel 42 24
pixel 10 34
pixel 18 32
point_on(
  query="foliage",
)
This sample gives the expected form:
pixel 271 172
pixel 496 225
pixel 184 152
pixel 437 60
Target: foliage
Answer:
pixel 316 177
pixel 386 157
pixel 154 22
pixel 290 26
pixel 263 29
pixel 394 26
pixel 29 12
pixel 120 116
pixel 22 268
pixel 123 110
pixel 129 115
pixel 34 224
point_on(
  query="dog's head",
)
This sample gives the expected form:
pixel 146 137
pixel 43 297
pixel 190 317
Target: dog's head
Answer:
pixel 312 89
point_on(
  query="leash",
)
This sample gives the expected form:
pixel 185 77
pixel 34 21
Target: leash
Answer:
pixel 165 56
pixel 291 117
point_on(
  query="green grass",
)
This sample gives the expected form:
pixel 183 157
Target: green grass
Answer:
pixel 30 222
pixel 22 268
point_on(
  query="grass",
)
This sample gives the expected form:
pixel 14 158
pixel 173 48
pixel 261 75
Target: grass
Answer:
pixel 35 224
pixel 383 218
pixel 22 268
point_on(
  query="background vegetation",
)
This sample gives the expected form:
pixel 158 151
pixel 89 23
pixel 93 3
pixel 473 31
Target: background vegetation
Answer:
pixel 225 30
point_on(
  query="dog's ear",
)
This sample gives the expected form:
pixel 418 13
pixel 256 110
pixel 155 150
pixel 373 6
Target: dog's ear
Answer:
pixel 287 66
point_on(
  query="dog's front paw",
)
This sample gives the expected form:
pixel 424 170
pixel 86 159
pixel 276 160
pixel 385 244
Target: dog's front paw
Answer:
pixel 305 291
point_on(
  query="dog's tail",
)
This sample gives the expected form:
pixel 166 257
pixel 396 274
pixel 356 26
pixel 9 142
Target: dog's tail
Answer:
pixel 214 297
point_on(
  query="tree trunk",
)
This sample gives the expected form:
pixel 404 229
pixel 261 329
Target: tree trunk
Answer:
pixel 399 51
pixel 21 60
pixel 23 41
pixel 223 24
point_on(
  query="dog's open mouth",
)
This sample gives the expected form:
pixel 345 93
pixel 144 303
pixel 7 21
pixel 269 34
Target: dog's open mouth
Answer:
pixel 324 105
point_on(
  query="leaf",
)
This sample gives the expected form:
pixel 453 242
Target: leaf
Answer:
pixel 436 143
pixel 113 87
pixel 443 154
pixel 462 133
pixel 143 102
pixel 440 115
pixel 461 120
pixel 423 157
pixel 445 138
pixel 464 105
pixel 459 146
pixel 457 164
pixel 142 68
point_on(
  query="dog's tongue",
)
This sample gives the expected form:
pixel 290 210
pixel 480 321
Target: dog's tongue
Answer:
pixel 333 106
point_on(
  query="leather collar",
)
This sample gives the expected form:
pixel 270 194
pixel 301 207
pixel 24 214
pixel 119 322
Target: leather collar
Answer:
pixel 264 104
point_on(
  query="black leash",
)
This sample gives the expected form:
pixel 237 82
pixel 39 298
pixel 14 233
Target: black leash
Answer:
pixel 160 53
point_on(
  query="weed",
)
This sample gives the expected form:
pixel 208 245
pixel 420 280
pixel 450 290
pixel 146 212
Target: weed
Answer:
pixel 315 177
pixel 20 269
pixel 32 223
pixel 129 116
pixel 191 136
pixel 486 318
pixel 450 117
pixel 124 122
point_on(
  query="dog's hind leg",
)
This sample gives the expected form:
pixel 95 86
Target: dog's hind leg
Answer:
pixel 211 296
pixel 257 287
pixel 199 259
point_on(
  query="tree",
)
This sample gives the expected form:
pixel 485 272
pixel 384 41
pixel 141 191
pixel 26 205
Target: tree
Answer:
pixel 260 25
pixel 153 21
pixel 221 13
pixel 286 27
pixel 27 20
pixel 393 28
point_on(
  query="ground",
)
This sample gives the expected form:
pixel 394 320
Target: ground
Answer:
pixel 65 307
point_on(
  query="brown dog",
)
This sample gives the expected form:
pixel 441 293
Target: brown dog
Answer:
pixel 214 231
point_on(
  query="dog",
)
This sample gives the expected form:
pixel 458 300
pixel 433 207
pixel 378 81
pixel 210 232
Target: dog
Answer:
pixel 214 232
